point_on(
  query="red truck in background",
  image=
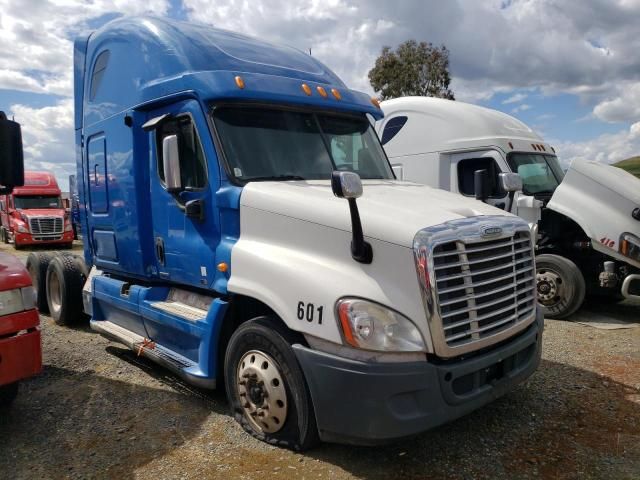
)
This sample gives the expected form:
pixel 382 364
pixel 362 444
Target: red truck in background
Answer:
pixel 20 343
pixel 34 213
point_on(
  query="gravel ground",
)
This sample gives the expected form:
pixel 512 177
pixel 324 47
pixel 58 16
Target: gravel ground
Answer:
pixel 98 411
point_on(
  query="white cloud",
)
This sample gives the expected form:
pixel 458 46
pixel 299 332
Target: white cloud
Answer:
pixel 38 39
pixel 625 107
pixel 606 148
pixel 516 98
pixel 48 137
pixel 521 108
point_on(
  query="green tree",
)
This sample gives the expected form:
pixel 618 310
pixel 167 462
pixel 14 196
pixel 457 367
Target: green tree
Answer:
pixel 412 69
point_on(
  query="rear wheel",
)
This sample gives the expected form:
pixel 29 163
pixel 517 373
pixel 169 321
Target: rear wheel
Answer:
pixel 65 280
pixel 8 394
pixel 37 263
pixel 266 387
pixel 560 286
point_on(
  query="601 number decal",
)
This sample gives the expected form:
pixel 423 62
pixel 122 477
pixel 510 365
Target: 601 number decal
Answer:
pixel 310 312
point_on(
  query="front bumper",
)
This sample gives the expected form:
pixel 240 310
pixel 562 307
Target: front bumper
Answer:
pixel 29 239
pixel 631 287
pixel 20 346
pixel 369 403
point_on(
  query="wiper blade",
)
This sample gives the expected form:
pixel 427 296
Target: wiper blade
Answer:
pixel 273 177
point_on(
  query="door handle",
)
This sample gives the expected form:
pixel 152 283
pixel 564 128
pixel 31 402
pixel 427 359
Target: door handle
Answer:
pixel 160 250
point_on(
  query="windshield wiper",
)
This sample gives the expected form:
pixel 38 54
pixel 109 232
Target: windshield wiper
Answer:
pixel 281 178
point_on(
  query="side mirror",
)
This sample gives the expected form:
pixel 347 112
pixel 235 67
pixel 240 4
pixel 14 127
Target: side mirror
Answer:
pixel 171 163
pixel 510 182
pixel 11 155
pixel 346 184
pixel 481 184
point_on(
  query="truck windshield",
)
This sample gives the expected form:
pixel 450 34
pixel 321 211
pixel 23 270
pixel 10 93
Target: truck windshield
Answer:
pixel 540 173
pixel 271 144
pixel 37 201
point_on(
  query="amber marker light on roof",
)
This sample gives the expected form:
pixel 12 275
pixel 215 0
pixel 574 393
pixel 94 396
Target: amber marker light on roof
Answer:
pixel 239 82
pixel 376 102
pixel 306 89
pixel 336 94
pixel 322 91
pixel 223 267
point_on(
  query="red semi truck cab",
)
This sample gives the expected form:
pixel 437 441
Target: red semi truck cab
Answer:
pixel 34 213
pixel 20 344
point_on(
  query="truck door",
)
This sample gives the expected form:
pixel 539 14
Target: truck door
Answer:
pixel 463 167
pixel 186 226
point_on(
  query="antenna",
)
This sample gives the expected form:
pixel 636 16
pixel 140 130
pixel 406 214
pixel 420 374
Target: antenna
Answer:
pixel 309 51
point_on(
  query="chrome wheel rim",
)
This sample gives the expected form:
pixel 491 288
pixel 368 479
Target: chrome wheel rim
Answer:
pixel 261 390
pixel 549 286
pixel 55 294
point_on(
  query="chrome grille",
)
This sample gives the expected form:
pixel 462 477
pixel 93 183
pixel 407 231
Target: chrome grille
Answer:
pixel 46 225
pixel 476 289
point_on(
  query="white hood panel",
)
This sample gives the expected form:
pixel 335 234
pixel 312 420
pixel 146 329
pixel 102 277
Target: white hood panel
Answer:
pixel 600 198
pixel 391 211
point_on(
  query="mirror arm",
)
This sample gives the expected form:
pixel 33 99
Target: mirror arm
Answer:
pixel 361 250
pixel 512 195
pixel 480 183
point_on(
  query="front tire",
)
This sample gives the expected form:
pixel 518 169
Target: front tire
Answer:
pixel 265 386
pixel 65 280
pixel 560 286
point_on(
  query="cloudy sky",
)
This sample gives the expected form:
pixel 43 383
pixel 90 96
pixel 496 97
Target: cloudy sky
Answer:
pixel 568 68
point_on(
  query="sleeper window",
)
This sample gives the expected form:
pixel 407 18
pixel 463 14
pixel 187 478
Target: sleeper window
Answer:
pixel 98 72
pixel 193 169
pixel 391 129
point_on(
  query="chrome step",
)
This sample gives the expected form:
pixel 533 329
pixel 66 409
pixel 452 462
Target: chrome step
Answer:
pixel 143 346
pixel 181 310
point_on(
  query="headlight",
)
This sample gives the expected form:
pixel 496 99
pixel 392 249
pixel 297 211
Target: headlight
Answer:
pixel 630 246
pixel 29 297
pixel 370 326
pixel 67 226
pixel 22 228
pixel 17 300
pixel 11 302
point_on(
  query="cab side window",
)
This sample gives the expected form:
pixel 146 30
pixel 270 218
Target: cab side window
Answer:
pixel 466 173
pixel 193 168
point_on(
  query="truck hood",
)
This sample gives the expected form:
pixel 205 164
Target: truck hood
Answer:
pixel 42 212
pixel 13 274
pixel 600 198
pixel 390 210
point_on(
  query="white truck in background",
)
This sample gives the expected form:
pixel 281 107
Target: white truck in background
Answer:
pixel 587 221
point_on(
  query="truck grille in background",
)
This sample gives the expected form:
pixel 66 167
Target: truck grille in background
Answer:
pixel 484 287
pixel 46 225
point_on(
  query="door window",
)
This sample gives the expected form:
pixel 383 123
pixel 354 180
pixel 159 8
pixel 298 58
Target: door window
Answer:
pixel 466 173
pixel 193 168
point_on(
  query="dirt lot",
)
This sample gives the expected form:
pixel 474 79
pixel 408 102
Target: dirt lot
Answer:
pixel 98 411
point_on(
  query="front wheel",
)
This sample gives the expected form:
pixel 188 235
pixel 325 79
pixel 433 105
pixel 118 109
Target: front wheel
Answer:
pixel 265 386
pixel 560 286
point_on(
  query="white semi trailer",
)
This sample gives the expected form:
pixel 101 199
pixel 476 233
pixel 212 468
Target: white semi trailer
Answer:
pixel 587 221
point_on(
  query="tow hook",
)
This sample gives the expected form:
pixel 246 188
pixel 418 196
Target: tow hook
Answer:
pixel 608 277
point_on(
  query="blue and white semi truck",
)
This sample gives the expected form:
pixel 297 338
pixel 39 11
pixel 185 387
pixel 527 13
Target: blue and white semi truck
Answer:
pixel 243 227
